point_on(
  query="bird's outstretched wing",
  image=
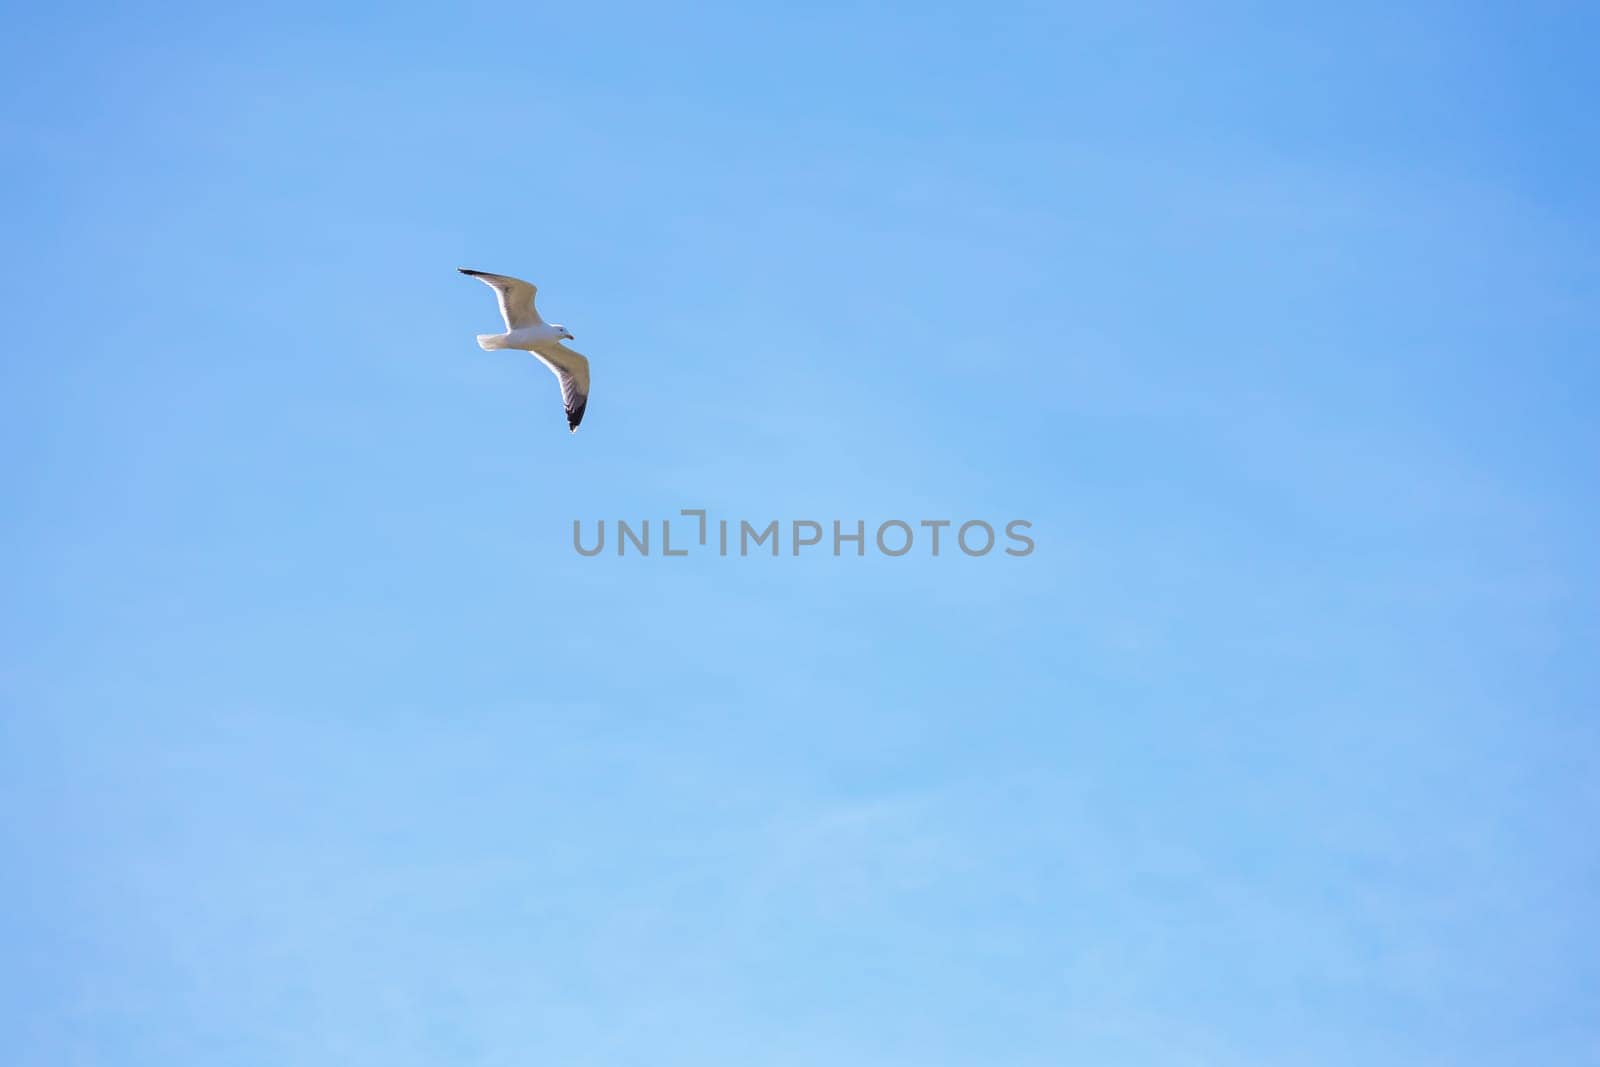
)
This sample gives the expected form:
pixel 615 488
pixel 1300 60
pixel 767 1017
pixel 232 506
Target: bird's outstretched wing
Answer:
pixel 572 371
pixel 515 295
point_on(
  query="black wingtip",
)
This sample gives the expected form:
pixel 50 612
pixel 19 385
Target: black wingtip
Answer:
pixel 464 270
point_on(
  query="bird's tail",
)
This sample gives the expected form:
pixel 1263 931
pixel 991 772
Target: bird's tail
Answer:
pixel 491 341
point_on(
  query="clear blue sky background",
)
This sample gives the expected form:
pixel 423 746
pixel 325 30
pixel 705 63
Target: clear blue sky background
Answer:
pixel 321 745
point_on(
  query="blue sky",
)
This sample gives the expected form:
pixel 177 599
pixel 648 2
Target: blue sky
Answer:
pixel 321 745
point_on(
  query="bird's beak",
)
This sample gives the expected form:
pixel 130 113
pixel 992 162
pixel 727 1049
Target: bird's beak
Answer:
pixel 570 337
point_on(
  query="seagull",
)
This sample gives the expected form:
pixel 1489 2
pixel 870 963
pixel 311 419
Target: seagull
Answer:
pixel 525 330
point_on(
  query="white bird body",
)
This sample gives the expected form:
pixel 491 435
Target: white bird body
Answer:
pixel 527 332
pixel 525 338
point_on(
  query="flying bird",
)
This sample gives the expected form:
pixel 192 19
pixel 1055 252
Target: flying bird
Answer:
pixel 526 331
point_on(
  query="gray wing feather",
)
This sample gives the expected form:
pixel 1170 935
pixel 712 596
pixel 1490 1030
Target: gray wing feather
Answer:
pixel 572 372
pixel 515 296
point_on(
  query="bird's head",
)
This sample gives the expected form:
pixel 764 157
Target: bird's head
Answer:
pixel 564 334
